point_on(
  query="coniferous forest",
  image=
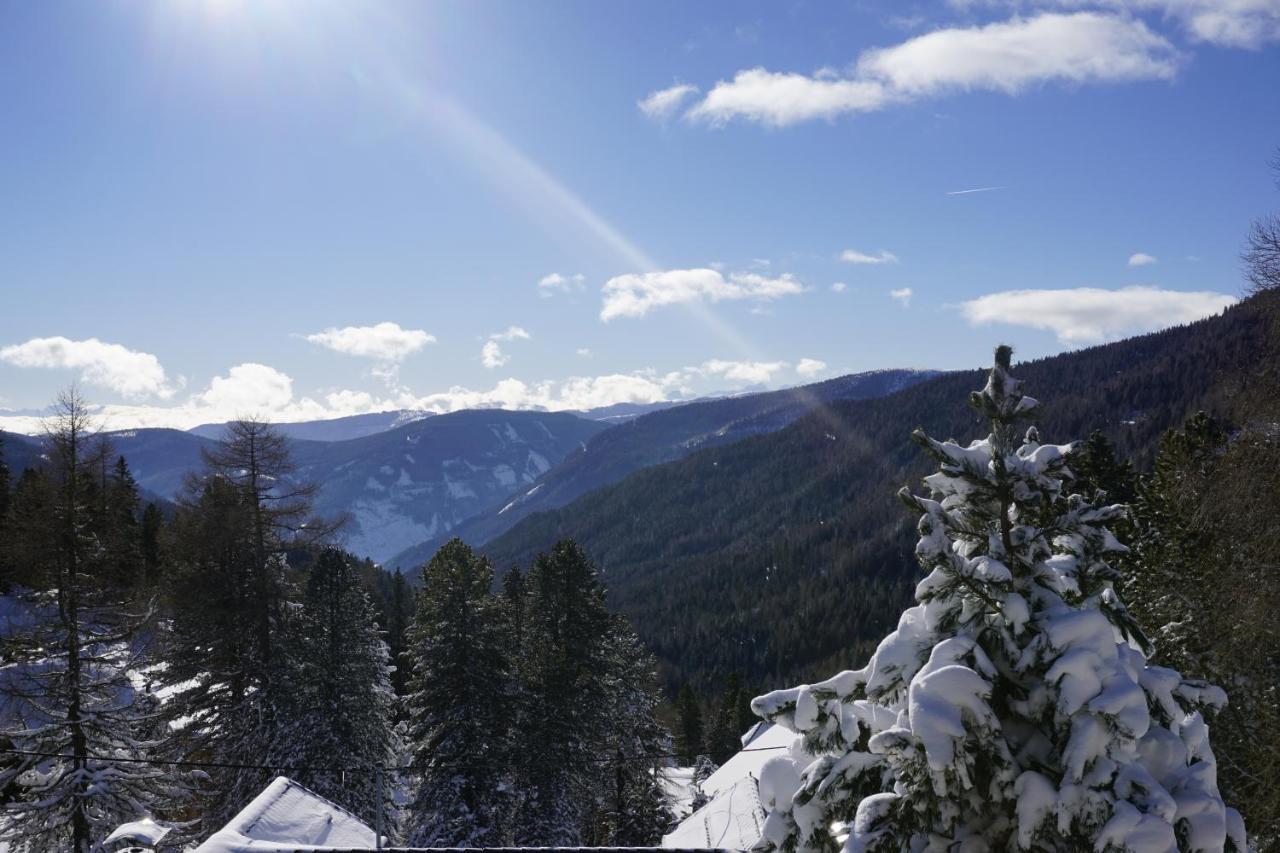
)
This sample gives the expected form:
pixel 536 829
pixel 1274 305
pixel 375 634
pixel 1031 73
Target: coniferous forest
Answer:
pixel 171 662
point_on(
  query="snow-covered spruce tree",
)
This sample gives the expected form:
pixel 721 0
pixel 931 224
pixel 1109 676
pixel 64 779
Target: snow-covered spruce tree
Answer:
pixel 71 646
pixel 1012 709
pixel 460 694
pixel 636 810
pixel 343 705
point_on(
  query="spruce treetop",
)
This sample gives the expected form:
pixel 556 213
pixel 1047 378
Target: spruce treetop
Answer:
pixel 1013 707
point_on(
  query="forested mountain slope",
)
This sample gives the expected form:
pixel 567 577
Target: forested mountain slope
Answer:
pixel 783 556
pixel 662 436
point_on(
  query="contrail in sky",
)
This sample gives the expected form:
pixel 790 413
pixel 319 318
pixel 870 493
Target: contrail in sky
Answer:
pixel 978 190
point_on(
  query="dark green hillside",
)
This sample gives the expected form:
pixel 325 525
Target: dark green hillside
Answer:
pixel 662 436
pixel 783 555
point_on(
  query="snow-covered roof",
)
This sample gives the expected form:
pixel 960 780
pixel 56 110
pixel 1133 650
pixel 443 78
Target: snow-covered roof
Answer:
pixel 732 820
pixel 762 742
pixel 286 816
pixel 145 831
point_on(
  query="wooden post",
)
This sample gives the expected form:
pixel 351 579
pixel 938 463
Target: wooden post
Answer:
pixel 377 820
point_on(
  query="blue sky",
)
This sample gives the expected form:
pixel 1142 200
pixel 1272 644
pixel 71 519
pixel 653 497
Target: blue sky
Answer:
pixel 221 207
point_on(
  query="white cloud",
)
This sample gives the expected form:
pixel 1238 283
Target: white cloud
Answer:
pixel 555 282
pixel 754 372
pixel 1226 23
pixel 664 102
pixel 247 389
pixel 512 333
pixel 262 391
pixel 1008 56
pixel 584 352
pixel 636 294
pixel 839 287
pixel 1087 315
pixel 853 256
pixel 781 99
pixel 129 373
pixel 1245 24
pixel 903 295
pixel 810 366
pixel 384 341
pixel 1141 259
pixel 491 354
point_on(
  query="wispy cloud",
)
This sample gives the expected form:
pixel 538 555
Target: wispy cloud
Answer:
pixel 853 256
pixel 1141 259
pixel 552 283
pixel 129 373
pixel 1248 24
pixel 902 295
pixel 664 102
pixel 753 372
pixel 636 294
pixel 1086 315
pixel 1009 57
pixel 839 287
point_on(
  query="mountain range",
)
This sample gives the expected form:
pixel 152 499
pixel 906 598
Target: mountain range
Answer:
pixel 757 534
pixel 657 437
pixel 786 555
pixel 407 480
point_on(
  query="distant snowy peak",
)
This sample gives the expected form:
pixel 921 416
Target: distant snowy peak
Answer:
pixel 422 479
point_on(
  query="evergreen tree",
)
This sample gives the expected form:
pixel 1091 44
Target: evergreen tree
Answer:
pixel 1010 709
pixel 1097 466
pixel 254 458
pixel 730 723
pixel 5 488
pixel 344 705
pixel 458 704
pixel 703 769
pixel 122 534
pixel 72 643
pixel 1176 554
pixel 31 546
pixel 514 592
pixel 637 811
pixel 233 696
pixel 566 694
pixel 1201 575
pixel 689 736
pixel 399 618
pixel 149 544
